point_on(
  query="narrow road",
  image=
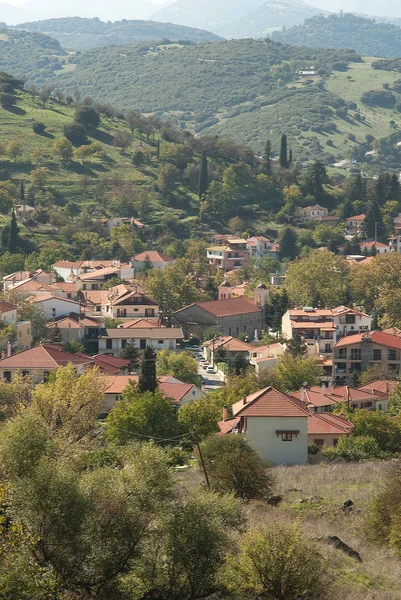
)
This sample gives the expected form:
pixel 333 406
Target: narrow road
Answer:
pixel 213 381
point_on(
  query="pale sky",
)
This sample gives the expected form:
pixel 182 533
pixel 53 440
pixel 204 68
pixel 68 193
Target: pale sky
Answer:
pixel 19 2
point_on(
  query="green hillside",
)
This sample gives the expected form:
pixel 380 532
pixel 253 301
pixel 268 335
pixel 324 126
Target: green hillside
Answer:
pixel 77 33
pixel 365 36
pixel 31 55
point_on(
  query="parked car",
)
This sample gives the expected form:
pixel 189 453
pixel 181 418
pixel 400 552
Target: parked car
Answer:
pixel 210 369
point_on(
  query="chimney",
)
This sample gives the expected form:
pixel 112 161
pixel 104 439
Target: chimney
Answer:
pixel 303 394
pixel 203 386
pixel 387 387
pixel 9 349
pixel 225 413
pixel 244 400
pixel 323 388
pixel 3 355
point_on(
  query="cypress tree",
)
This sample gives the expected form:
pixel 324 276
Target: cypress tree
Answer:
pixel 13 235
pixel 147 378
pixel 288 243
pixel 267 158
pixel 283 152
pixel 22 192
pixel 203 176
pixel 147 264
pixel 290 158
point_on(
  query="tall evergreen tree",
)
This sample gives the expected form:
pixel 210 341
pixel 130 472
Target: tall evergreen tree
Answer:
pixel 267 158
pixel 373 224
pixel 203 176
pixel 147 378
pixel 147 264
pixel 13 235
pixel 290 157
pixel 283 152
pixel 288 243
pixel 22 192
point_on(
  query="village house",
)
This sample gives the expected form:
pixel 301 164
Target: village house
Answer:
pixel 326 430
pixel 78 327
pixel 311 213
pixel 180 393
pixel 379 247
pixel 227 290
pixel 23 329
pixel 225 349
pixel 354 224
pixel 321 328
pixel 109 224
pixel 277 279
pixel 68 270
pixel 358 352
pixel 266 357
pixel 112 341
pixel 121 301
pixel 330 220
pixel 228 317
pixel 53 307
pixel 158 260
pixel 229 256
pixel 24 212
pixel 259 246
pixel 38 362
pixel 275 425
pixel 96 280
pixel 18 276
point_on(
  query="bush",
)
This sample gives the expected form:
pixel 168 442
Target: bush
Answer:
pixel 383 522
pixel 233 466
pixel 355 448
pixel 276 562
pixel 76 134
pixel 138 158
pixel 87 117
pixel 7 100
pixel 39 128
pixel 382 98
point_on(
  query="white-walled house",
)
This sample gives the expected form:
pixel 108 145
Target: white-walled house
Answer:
pixel 311 213
pixel 53 306
pixel 378 246
pixel 275 425
pixel 112 341
pixel 158 260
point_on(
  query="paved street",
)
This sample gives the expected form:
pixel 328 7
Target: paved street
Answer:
pixel 213 380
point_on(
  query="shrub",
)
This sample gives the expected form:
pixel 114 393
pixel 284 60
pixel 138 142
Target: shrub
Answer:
pixel 138 158
pixel 7 100
pixel 355 448
pixel 383 522
pixel 87 117
pixel 233 466
pixel 276 562
pixel 76 134
pixel 382 98
pixel 39 128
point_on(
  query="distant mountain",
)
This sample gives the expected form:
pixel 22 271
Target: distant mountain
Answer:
pixel 382 8
pixel 269 16
pixel 365 36
pixel 11 15
pixel 117 9
pixel 212 15
pixel 237 18
pixel 77 33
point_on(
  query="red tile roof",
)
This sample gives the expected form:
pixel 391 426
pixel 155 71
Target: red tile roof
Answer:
pixel 269 402
pixel 316 397
pixel 320 424
pixel 45 356
pixel 226 427
pixel 6 307
pixel 383 386
pixel 227 308
pixel 230 344
pixel 356 218
pixel 375 244
pixel 176 391
pixel 154 256
pixel 378 337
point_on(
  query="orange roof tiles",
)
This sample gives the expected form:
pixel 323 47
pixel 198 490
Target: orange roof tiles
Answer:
pixel 229 307
pixel 378 337
pixel 269 402
pixel 320 424
pixel 154 256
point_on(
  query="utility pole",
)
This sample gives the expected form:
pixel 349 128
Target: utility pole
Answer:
pixel 203 463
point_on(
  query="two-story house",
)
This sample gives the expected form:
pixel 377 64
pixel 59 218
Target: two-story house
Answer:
pixel 232 255
pixel 323 327
pixel 23 329
pixel 158 260
pixel 354 224
pixel 358 352
pixel 112 341
pixel 259 246
pixel 121 301
pixel 311 213
pixel 378 247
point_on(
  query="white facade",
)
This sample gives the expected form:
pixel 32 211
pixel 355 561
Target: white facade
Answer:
pixel 264 435
pixel 10 316
pixel 57 307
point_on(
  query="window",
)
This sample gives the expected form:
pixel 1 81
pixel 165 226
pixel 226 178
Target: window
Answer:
pixel 69 296
pixel 53 312
pixel 142 344
pixel 355 354
pixel 7 375
pixel 109 344
pixel 380 407
pixel 327 348
pixel 286 437
pixel 160 341
pixel 318 443
pixel 94 286
pixel 84 286
pixel 342 353
pixel 46 375
pixel 98 308
pixel 229 331
pixel 350 319
pixel 377 354
pixel 392 354
pixel 123 343
pixel 25 373
pixel 335 442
